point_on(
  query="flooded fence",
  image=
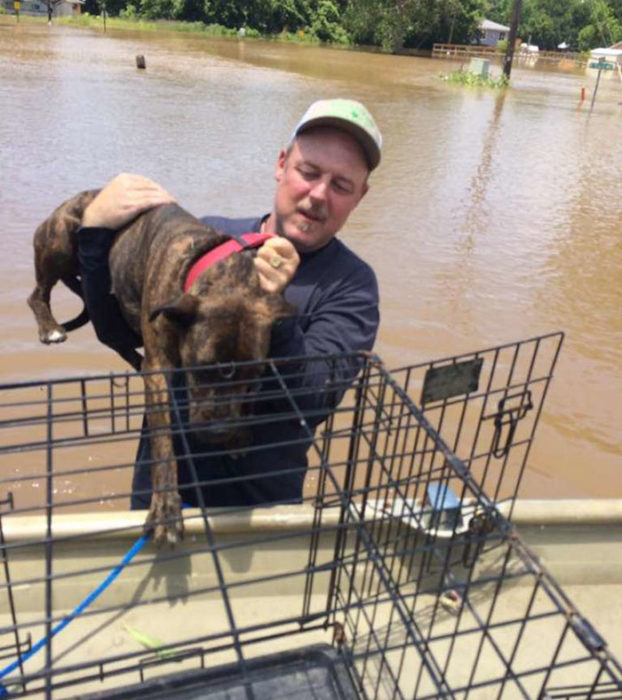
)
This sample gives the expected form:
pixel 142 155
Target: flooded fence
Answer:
pixel 491 52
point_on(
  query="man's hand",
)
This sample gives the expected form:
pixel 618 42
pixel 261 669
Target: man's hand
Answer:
pixel 123 199
pixel 276 263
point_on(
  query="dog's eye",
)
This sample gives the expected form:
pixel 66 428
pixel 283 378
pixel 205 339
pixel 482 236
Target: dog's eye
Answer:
pixel 227 371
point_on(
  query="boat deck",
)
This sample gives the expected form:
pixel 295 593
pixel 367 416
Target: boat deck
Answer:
pixel 166 613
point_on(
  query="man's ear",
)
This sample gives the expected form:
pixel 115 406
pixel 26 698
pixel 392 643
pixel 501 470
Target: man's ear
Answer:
pixel 364 192
pixel 280 165
pixel 183 311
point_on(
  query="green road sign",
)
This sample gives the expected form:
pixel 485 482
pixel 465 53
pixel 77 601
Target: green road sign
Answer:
pixel 602 65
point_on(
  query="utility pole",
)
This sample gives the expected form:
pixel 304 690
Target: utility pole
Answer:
pixel 453 21
pixel 509 54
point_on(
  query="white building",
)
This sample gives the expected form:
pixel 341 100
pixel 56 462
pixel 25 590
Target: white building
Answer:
pixel 610 57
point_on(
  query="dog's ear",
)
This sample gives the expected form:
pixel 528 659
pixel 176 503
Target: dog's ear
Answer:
pixel 183 311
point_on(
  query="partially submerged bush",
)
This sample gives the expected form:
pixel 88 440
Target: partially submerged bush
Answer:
pixel 476 80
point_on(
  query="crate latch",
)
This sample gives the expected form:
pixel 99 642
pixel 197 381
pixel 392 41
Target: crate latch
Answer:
pixel 8 501
pixel 511 410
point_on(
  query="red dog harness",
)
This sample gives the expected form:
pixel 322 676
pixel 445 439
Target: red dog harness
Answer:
pixel 224 250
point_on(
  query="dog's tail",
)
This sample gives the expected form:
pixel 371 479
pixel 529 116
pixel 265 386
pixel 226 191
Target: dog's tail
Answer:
pixel 80 320
pixel 73 283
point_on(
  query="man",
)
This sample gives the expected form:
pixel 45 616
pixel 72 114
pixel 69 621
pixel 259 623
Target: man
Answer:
pixel 321 177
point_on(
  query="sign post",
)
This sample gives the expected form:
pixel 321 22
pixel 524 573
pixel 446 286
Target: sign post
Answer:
pixel 602 65
pixel 16 6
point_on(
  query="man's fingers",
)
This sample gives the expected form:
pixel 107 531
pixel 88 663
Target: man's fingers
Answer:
pixel 122 199
pixel 270 279
pixel 280 246
pixel 276 264
pixel 279 251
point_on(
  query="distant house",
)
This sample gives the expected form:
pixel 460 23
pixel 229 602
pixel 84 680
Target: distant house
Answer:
pixel 492 32
pixel 69 7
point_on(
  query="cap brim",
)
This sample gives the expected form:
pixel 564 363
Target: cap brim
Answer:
pixel 367 143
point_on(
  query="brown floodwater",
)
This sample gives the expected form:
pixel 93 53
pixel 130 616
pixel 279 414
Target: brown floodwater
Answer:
pixel 494 216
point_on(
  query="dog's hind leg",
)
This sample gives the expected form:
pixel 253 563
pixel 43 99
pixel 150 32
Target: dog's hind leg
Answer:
pixel 55 249
pixel 50 331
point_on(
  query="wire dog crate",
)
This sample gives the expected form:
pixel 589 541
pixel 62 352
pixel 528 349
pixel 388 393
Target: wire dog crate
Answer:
pixel 399 575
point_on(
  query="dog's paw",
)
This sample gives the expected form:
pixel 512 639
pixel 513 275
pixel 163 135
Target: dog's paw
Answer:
pixel 164 519
pixel 55 335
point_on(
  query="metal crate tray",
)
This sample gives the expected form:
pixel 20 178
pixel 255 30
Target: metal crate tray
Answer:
pixel 317 671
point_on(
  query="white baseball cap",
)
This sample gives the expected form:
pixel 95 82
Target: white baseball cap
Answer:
pixel 349 115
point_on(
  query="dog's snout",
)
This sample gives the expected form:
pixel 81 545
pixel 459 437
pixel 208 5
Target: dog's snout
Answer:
pixel 214 431
pixel 217 428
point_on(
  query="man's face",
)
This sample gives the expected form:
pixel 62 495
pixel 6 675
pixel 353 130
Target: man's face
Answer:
pixel 320 181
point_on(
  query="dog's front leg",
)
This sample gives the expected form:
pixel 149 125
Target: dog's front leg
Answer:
pixel 164 516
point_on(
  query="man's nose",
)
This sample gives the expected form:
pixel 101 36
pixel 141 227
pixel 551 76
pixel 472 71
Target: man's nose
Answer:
pixel 319 191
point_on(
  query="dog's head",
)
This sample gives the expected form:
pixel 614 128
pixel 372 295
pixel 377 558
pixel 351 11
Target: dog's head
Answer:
pixel 223 335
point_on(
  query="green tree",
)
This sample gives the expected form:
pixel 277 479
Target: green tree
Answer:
pixel 113 7
pixel 290 15
pixel 258 14
pixel 394 24
pixel 157 9
pixel 458 22
pixel 546 23
pixel 604 28
pixel 188 10
pixel 498 10
pixel 361 20
pixel 326 23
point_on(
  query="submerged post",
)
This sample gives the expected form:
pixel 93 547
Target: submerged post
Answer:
pixel 509 54
pixel 102 4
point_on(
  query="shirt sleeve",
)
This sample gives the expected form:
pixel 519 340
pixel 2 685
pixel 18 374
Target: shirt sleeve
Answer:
pixel 339 329
pixel 110 327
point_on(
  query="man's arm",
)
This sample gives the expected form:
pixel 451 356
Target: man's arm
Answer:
pixel 121 200
pixel 110 327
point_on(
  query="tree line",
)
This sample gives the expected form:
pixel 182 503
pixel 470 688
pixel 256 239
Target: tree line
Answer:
pixel 391 24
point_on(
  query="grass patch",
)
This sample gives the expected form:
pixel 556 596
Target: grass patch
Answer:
pixel 145 25
pixel 460 77
pixel 136 23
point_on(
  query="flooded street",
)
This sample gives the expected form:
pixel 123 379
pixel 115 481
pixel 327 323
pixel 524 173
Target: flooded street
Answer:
pixel 495 216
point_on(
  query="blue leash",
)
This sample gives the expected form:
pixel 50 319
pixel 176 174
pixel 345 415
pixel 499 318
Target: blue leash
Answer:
pixel 136 547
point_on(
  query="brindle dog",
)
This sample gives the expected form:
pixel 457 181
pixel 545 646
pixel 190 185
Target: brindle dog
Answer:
pixel 225 317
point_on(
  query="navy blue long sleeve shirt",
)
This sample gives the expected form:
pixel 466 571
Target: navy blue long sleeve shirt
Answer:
pixel 336 296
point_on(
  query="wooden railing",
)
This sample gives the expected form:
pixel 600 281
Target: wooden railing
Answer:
pixel 463 50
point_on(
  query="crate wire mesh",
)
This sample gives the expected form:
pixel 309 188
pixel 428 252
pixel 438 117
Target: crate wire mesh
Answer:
pixel 398 576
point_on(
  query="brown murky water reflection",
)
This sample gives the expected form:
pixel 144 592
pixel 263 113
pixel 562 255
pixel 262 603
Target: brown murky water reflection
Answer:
pixel 494 217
